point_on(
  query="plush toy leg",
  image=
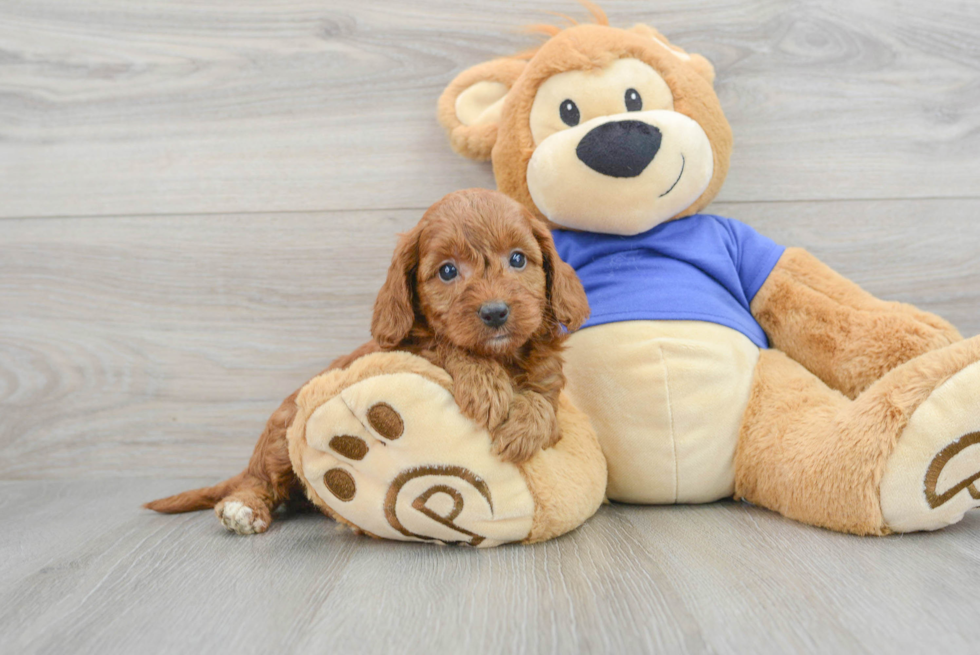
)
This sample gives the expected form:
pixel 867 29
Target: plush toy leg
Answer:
pixel 903 456
pixel 844 335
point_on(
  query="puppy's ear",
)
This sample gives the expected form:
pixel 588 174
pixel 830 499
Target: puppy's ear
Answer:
pixel 469 108
pixel 394 308
pixel 565 292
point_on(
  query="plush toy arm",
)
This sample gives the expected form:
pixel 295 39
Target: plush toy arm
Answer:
pixel 842 334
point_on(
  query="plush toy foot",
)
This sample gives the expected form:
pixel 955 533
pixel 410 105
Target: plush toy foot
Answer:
pixel 243 513
pixel 933 476
pixel 392 455
pixel 383 447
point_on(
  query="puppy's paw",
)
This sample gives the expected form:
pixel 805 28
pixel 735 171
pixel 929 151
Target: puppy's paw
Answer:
pixel 513 444
pixel 485 401
pixel 243 515
pixel 530 426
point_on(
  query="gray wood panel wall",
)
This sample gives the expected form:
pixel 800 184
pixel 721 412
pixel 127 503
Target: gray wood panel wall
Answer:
pixel 198 206
pixel 198 201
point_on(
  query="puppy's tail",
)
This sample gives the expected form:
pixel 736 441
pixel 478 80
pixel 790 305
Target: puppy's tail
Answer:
pixel 195 499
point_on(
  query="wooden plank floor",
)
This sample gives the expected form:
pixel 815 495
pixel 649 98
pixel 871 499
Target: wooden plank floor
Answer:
pixel 198 202
pixel 85 571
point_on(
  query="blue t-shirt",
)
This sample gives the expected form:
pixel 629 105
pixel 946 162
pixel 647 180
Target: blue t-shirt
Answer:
pixel 700 268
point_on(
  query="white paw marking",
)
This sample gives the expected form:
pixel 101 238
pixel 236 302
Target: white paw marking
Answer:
pixel 238 517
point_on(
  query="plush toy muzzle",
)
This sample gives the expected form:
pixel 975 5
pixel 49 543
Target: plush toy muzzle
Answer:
pixel 621 174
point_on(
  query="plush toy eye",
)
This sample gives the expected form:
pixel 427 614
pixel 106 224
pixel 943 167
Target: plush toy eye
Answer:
pixel 518 260
pixel 633 100
pixel 447 272
pixel 569 113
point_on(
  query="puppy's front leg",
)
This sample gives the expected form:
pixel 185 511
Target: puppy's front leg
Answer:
pixel 531 426
pixel 481 387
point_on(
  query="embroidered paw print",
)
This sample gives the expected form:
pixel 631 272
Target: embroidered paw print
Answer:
pixel 386 422
pixel 955 470
pixel 394 456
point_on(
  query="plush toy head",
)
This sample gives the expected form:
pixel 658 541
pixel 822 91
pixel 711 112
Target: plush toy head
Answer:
pixel 600 129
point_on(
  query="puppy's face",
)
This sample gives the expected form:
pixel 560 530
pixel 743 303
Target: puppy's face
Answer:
pixel 480 272
pixel 481 279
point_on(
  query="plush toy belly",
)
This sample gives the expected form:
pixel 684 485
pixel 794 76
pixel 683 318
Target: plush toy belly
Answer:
pixel 666 399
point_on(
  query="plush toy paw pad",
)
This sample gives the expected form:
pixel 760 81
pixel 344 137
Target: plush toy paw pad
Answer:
pixel 340 483
pixel 933 476
pixel 349 447
pixel 394 456
pixel 386 421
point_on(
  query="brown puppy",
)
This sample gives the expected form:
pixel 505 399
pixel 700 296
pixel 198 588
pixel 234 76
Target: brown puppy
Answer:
pixel 476 288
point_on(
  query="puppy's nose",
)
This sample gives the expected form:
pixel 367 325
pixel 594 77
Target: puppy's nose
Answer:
pixel 494 313
pixel 619 148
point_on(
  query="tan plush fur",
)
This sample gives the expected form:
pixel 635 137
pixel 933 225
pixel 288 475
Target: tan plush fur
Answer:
pixel 330 383
pixel 475 141
pixel 568 482
pixel 844 335
pixel 507 378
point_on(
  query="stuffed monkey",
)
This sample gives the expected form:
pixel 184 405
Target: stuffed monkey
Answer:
pixel 715 362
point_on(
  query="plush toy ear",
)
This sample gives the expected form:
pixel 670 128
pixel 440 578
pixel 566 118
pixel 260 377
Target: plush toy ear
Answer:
pixel 394 308
pixel 701 65
pixel 565 292
pixel 470 106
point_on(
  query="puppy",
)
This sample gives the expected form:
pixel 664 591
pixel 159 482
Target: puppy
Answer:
pixel 476 288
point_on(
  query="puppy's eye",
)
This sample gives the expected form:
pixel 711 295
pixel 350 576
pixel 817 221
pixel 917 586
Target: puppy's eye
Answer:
pixel 518 260
pixel 569 113
pixel 633 100
pixel 447 272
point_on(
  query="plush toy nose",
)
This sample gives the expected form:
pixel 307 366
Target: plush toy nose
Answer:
pixel 619 148
pixel 494 313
